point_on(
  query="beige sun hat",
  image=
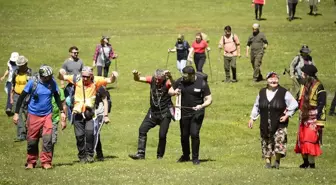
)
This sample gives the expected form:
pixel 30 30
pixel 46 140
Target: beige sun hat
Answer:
pixel 14 56
pixel 22 60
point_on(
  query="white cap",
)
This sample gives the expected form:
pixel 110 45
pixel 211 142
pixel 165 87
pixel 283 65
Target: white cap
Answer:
pixel 256 26
pixel 14 56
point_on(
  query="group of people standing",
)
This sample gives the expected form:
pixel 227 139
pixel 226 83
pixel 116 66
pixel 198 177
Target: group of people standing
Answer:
pixel 291 8
pixel 230 44
pixel 84 100
pixel 37 104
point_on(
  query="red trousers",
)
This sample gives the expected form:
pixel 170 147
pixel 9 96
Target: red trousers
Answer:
pixel 36 124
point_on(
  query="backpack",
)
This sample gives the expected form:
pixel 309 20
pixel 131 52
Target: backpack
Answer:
pixel 232 39
pixel 108 96
pixel 35 77
pixel 310 62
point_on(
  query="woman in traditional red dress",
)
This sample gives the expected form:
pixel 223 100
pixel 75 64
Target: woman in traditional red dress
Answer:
pixel 312 101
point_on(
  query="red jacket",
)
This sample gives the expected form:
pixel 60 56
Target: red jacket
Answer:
pixel 259 1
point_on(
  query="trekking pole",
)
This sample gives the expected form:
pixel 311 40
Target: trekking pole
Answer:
pixel 167 60
pixel 98 133
pixel 219 60
pixel 210 65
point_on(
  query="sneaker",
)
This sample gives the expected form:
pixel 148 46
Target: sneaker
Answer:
pixel 82 161
pixel 46 166
pixel 89 159
pixel 19 139
pixel 268 165
pixel 234 80
pixel 29 166
pixel 159 157
pixel 196 162
pixel 183 159
pixel 226 81
pixel 137 156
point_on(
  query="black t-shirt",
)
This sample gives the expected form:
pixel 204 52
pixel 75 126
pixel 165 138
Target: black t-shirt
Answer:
pixel 101 94
pixel 182 50
pixel 192 94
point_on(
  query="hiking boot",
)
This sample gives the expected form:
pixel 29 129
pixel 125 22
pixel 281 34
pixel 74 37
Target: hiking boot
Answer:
pixel 29 166
pixel 46 166
pixel 276 164
pixel 304 165
pixel 196 162
pixel 183 159
pixel 137 156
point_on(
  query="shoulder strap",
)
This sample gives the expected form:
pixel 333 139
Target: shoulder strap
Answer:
pixel 233 39
pixel 297 61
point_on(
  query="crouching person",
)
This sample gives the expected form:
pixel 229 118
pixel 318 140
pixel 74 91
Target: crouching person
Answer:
pixel 83 111
pixel 40 91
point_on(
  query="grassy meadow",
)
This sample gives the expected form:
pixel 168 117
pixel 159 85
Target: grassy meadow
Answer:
pixel 141 32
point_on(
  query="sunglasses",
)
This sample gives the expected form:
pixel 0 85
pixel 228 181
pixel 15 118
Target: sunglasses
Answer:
pixel 76 52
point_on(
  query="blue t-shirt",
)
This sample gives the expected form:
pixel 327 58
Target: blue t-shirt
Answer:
pixel 40 101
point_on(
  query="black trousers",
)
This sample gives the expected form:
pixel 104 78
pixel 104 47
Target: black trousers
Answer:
pixel 150 121
pixel 258 8
pixel 292 9
pixel 84 136
pixel 191 126
pixel 199 59
pixel 101 68
pixel 333 104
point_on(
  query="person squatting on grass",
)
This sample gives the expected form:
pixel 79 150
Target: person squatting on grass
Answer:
pixel 297 63
pixel 275 105
pixel 20 78
pixel 11 67
pixel 197 50
pixel 101 117
pixel 258 7
pixel 103 55
pixel 39 120
pixel 72 66
pixel 195 97
pixel 229 42
pixel 182 51
pixel 160 111
pixel 258 43
pixel 312 104
pixel 83 111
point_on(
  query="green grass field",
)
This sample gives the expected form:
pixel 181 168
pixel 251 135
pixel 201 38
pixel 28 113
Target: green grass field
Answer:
pixel 141 32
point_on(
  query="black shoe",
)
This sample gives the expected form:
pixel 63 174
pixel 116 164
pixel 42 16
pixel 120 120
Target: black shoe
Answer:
pixel 268 165
pixel 137 156
pixel 332 113
pixel 9 112
pixel 276 164
pixel 183 159
pixel 304 165
pixel 100 158
pixel 19 139
pixel 312 165
pixel 234 80
pixel 196 162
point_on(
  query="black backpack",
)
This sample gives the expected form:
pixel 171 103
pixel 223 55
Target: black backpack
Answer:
pixel 202 76
pixel 108 96
pixel 35 77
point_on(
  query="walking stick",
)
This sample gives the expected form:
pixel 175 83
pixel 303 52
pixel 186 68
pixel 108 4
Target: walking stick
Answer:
pixel 210 65
pixel 167 60
pixel 98 133
pixel 219 60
